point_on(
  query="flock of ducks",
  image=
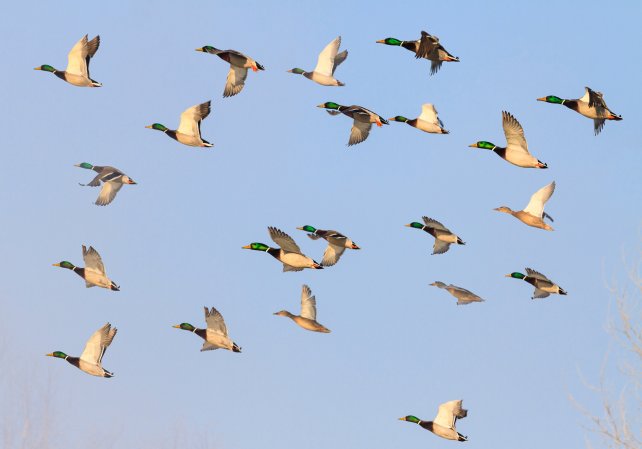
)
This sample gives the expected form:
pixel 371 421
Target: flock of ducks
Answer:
pixel 287 252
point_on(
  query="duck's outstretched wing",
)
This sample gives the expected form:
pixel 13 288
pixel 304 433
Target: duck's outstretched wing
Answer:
pixel 326 60
pixel 308 304
pixel 514 132
pixel 449 412
pixel 538 200
pixel 192 117
pixel 92 259
pixel 215 321
pixel 235 81
pixel 80 54
pixel 283 240
pixel 97 344
pixel 359 132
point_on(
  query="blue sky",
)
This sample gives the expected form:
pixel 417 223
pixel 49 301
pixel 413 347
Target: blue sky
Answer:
pixel 173 242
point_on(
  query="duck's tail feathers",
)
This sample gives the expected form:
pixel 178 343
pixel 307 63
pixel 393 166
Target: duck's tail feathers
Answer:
pixel 562 291
pixel 236 348
pixel 317 266
pixel 460 241
pixel 259 66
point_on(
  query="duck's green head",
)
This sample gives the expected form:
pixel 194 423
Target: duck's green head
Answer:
pixel 410 418
pixel 414 224
pixel 308 228
pixel 86 165
pixel 65 264
pixel 483 144
pixel 257 246
pixel 398 118
pixel 207 49
pixel 185 327
pixel 59 354
pixel 297 70
pixel 516 275
pixel 158 127
pixel 551 99
pixel 45 68
pixel 390 41
pixel 329 105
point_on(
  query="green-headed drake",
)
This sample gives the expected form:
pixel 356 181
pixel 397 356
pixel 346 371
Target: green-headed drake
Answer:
pixel 337 243
pixel 189 129
pixel 463 296
pixel 533 214
pixel 308 318
pixel 516 150
pixel 289 253
pixel 215 335
pixel 239 63
pixel 443 236
pixel 112 179
pixel 427 122
pixel 77 72
pixel 543 285
pixel 362 119
pixel 329 60
pixel 94 271
pixel 426 47
pixel 90 361
pixel 444 423
pixel 591 105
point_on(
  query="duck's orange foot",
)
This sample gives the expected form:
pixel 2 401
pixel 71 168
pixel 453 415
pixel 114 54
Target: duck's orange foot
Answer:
pixel 254 69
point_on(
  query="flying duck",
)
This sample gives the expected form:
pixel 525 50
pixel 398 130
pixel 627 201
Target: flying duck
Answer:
pixel 426 47
pixel 337 243
pixel 112 179
pixel 289 252
pixel 189 129
pixel 444 423
pixel 516 151
pixel 77 72
pixel 533 214
pixel 94 271
pixel 239 63
pixel 90 361
pixel 329 60
pixel 443 236
pixel 308 318
pixel 363 120
pixel 215 335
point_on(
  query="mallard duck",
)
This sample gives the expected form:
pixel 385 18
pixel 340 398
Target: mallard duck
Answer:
pixel 289 252
pixel 215 335
pixel 189 129
pixel 363 120
pixel 444 423
pixel 337 243
pixel 327 63
pixel 463 296
pixel 443 236
pixel 239 63
pixel 427 122
pixel 533 214
pixel 308 318
pixel 516 151
pixel 427 47
pixel 90 361
pixel 543 285
pixel 591 105
pixel 77 72
pixel 94 271
pixel 112 178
